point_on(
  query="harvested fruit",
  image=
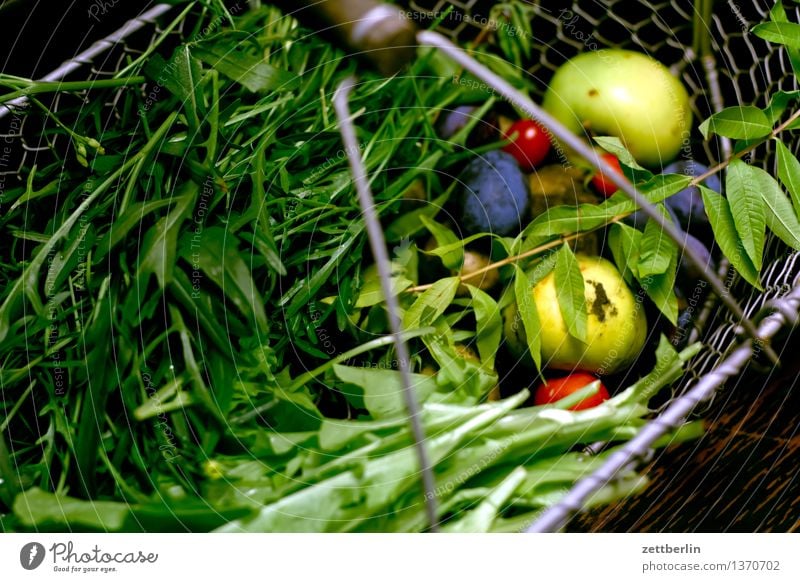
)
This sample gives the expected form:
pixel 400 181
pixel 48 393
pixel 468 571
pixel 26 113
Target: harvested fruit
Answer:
pixel 474 261
pixel 625 94
pixel 559 388
pixel 530 145
pixel 601 182
pixel 495 195
pixel 616 327
pixel 560 185
pixel 453 121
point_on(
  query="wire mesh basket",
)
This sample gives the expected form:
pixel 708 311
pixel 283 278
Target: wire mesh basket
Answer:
pixel 736 71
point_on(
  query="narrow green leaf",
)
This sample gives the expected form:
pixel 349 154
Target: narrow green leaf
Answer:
pixel 625 244
pixel 721 218
pixel 614 145
pixel 488 325
pixel 568 219
pixel 661 289
pixel 431 304
pixel 371 292
pixel 571 293
pixel 739 122
pixel 786 33
pixel 780 215
pixel 789 173
pixel 528 315
pixel 454 257
pixel 742 186
pixel 778 14
pixel 655 190
pixel 36 508
pixel 159 245
pixel 779 102
pixel 382 389
pixel 410 223
pixel 245 67
pixel 657 249
pixel 215 253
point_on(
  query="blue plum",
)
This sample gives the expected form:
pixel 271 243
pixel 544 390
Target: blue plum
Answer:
pixel 495 194
pixel 451 122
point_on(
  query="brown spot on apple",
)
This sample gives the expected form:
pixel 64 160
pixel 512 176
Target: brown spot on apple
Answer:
pixel 602 306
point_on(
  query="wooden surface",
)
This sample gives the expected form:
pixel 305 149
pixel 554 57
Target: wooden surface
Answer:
pixel 742 476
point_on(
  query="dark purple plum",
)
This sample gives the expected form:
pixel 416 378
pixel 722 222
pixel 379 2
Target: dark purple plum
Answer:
pixel 452 121
pixel 495 195
pixel 689 273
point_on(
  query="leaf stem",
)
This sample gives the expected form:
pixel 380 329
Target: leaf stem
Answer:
pixel 724 164
pixel 36 88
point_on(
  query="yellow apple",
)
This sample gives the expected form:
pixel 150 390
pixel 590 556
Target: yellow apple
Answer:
pixel 616 325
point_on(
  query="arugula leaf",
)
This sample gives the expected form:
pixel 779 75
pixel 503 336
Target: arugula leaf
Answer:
pixel 410 223
pixel 161 240
pixel 742 186
pixel 739 122
pixel 382 389
pixel 789 173
pixel 528 315
pixel 216 254
pixel 726 236
pixel 571 293
pixel 245 67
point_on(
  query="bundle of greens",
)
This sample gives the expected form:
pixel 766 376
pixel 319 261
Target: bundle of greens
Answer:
pixel 192 339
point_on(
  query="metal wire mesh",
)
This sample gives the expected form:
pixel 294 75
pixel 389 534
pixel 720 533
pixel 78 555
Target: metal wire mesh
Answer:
pixel 749 70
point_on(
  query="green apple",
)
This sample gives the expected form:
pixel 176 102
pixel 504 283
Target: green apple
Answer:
pixel 616 324
pixel 624 94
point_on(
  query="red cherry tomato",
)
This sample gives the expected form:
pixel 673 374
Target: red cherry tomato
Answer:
pixel 556 389
pixel 531 144
pixel 601 182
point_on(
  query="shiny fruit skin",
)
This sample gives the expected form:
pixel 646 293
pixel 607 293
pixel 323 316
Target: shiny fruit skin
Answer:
pixel 531 143
pixel 474 261
pixel 602 183
pixel 616 323
pixel 624 94
pixel 495 195
pixel 559 388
